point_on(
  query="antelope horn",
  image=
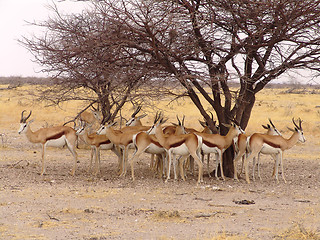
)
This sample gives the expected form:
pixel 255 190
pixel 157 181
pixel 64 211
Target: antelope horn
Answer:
pixel 21 120
pixel 211 116
pixel 136 111
pixel 235 122
pixel 156 119
pixel 105 119
pixel 300 121
pixel 295 123
pixel 271 123
pixel 179 122
pixel 93 108
pixel 26 118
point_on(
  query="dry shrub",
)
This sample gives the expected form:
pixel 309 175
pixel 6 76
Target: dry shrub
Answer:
pixel 167 215
pixel 298 231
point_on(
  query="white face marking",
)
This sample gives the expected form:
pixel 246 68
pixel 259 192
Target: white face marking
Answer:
pixel 130 122
pixel 301 137
pixel 102 130
pixel 23 127
pixel 80 131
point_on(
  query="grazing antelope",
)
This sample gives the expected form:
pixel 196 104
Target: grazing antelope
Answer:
pixel 240 145
pixel 184 145
pixel 215 143
pixel 274 145
pixel 53 136
pixel 96 142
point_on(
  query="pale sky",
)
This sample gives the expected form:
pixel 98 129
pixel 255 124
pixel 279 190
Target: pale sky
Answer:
pixel 15 60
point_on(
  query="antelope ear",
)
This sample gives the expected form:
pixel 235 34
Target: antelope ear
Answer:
pixel 265 127
pixel 292 130
pixel 162 121
pixel 112 124
pixel 203 124
pixel 31 121
pixel 226 125
pixel 142 116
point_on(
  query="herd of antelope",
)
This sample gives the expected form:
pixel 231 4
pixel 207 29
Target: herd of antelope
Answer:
pixel 170 144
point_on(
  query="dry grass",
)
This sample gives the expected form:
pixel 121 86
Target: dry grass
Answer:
pixel 299 231
pixel 271 103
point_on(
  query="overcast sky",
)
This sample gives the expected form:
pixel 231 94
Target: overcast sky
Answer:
pixel 15 60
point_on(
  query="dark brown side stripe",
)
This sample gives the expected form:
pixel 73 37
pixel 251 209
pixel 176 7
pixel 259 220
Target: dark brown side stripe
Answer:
pixel 177 144
pixel 106 142
pixel 56 136
pixel 272 144
pixel 156 143
pixel 209 144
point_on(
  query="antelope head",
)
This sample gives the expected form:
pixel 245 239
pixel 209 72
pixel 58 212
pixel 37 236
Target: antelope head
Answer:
pixel 23 122
pixel 298 129
pixel 134 119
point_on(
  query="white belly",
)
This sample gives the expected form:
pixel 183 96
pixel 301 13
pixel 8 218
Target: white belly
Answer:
pixel 154 149
pixel 181 150
pixel 59 142
pixel 205 149
pixel 106 146
pixel 267 149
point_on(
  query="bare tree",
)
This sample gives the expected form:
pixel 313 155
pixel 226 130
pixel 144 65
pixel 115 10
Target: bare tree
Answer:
pixel 87 63
pixel 208 44
pixel 203 45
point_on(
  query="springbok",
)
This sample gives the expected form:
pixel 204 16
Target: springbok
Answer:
pixel 274 145
pixel 183 144
pixel 58 136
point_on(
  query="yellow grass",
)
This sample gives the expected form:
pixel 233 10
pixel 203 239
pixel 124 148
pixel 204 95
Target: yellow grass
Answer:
pixel 270 103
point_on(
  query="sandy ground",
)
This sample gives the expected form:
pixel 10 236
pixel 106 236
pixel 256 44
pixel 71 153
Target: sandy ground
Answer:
pixel 59 206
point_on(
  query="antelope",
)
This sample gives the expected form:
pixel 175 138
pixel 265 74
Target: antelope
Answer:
pixel 146 142
pixel 240 144
pixel 206 129
pixel 96 142
pixel 53 136
pixel 274 145
pixel 89 117
pixel 215 143
pixel 271 130
pixel 184 145
pixel 120 139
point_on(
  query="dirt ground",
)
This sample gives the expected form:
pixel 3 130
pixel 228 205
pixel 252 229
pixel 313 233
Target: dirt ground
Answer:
pixel 59 206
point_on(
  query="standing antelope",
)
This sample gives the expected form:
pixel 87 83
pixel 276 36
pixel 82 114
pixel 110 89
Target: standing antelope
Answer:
pixel 240 144
pixel 184 145
pixel 120 139
pixel 274 145
pixel 215 143
pixel 146 142
pixel 96 142
pixel 271 130
pixel 53 136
